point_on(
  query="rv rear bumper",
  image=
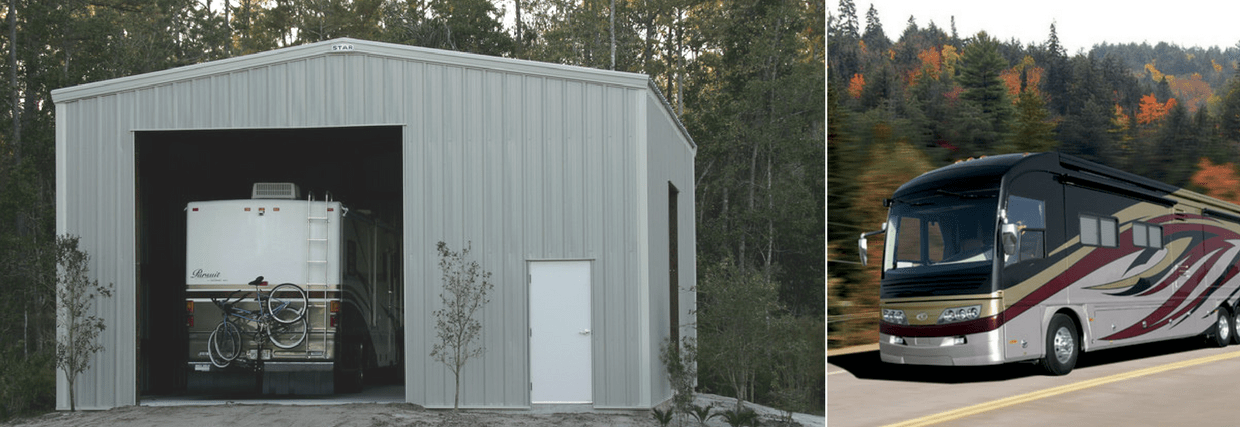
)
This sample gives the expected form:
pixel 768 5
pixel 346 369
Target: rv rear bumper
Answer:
pixel 977 349
pixel 280 378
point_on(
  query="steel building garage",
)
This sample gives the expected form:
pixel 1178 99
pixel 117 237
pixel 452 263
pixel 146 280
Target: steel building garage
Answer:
pixel 551 172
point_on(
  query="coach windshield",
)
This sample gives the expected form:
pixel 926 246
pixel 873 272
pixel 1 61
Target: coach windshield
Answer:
pixel 931 230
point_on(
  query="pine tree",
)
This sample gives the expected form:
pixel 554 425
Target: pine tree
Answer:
pixel 875 39
pixel 847 21
pixel 1033 131
pixel 1229 117
pixel 979 76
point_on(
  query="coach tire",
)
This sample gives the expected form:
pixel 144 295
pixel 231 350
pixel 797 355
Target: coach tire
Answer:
pixel 1062 349
pixel 1235 326
pixel 1221 335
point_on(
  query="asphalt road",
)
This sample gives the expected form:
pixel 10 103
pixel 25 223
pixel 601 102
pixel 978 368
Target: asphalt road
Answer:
pixel 1180 382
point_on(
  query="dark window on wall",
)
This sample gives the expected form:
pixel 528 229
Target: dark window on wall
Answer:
pixel 1147 235
pixel 1099 231
pixel 673 262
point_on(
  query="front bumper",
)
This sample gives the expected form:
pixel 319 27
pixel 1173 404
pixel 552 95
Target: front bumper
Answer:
pixel 979 349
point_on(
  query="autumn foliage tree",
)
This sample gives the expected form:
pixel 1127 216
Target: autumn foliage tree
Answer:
pixel 1219 181
pixel 856 85
pixel 1153 111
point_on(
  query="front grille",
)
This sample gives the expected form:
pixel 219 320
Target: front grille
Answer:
pixel 925 286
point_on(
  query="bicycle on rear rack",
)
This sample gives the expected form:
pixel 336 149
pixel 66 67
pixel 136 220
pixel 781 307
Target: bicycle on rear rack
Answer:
pixel 280 318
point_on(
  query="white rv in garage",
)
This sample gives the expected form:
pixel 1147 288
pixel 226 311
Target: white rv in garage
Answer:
pixel 346 264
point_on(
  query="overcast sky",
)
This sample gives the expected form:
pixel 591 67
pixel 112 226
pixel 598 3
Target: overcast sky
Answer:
pixel 1079 23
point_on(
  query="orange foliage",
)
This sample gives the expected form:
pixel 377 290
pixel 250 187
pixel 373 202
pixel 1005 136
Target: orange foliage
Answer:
pixel 931 66
pixel 1153 111
pixel 1217 67
pixel 1193 90
pixel 1011 77
pixel 1219 181
pixel 856 85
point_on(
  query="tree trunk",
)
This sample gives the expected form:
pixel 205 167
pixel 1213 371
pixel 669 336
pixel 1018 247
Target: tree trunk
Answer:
pixel 613 35
pixel 16 95
pixel 751 203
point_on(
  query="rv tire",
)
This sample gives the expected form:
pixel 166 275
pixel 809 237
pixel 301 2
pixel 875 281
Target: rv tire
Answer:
pixel 1062 346
pixel 1235 326
pixel 1220 334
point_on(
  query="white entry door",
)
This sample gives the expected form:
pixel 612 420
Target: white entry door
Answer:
pixel 560 334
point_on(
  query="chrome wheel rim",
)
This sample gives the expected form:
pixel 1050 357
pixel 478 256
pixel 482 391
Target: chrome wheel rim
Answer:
pixel 1065 344
pixel 1224 328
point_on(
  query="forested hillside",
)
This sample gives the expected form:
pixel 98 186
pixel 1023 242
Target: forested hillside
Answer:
pixel 746 79
pixel 925 96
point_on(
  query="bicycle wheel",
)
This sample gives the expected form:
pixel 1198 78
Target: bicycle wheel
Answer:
pixel 287 303
pixel 288 335
pixel 224 344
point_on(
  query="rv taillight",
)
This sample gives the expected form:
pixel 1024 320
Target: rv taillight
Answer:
pixel 334 321
pixel 195 209
pixel 189 307
pixel 189 320
pixel 334 307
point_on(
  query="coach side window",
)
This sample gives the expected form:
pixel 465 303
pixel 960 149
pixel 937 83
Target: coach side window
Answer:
pixel 1146 235
pixel 1029 216
pixel 1099 231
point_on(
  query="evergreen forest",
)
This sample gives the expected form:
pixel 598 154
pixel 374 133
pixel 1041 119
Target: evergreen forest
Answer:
pixel 925 96
pixel 745 77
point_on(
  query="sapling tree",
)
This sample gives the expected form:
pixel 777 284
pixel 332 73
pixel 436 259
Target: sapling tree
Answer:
pixel 680 362
pixel 78 340
pixel 465 288
pixel 734 330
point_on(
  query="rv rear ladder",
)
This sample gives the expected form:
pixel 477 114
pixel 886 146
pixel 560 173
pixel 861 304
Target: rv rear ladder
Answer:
pixel 312 264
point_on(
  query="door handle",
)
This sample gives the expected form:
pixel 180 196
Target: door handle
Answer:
pixel 584 332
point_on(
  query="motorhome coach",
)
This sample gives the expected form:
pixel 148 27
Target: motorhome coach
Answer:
pixel 347 262
pixel 1039 257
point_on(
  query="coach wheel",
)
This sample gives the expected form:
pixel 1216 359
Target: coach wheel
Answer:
pixel 1221 335
pixel 1062 350
pixel 1235 327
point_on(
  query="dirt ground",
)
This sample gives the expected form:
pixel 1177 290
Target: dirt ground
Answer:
pixel 357 414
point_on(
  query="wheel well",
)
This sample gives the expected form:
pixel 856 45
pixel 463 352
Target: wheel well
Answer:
pixel 1080 326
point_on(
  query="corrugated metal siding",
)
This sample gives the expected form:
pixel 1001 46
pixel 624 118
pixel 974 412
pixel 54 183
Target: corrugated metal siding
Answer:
pixel 670 162
pixel 524 165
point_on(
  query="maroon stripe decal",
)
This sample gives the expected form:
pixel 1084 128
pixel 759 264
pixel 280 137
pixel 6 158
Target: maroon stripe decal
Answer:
pixel 1160 317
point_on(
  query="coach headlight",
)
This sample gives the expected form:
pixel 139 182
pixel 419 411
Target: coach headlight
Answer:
pixel 895 317
pixel 960 314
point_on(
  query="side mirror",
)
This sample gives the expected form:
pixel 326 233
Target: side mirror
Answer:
pixel 862 244
pixel 1010 239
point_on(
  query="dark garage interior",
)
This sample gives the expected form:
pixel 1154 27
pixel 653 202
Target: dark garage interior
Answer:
pixel 359 166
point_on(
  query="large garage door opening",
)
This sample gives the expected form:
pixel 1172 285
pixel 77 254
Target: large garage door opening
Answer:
pixel 360 167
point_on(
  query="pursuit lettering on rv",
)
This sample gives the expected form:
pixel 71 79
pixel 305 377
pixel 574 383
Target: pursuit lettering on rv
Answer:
pixel 1039 257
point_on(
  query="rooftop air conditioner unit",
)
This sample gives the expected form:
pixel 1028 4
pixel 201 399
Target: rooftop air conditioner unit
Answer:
pixel 275 190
